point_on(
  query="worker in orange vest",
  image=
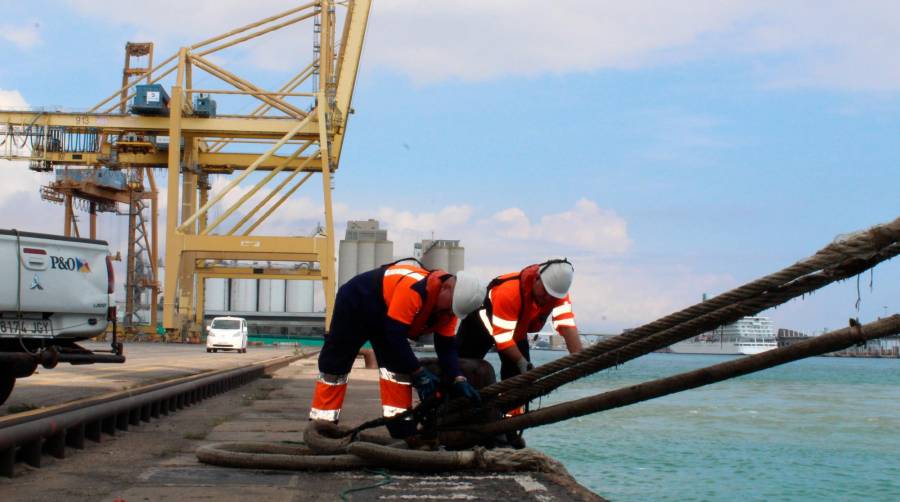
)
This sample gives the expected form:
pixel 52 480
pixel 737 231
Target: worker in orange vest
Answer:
pixel 516 304
pixel 388 306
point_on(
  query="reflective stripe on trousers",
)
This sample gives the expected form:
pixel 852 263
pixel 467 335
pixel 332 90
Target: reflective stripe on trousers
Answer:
pixel 514 412
pixel 396 392
pixel 329 397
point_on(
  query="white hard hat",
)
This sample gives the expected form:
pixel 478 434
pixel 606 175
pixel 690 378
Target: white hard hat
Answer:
pixel 468 294
pixel 557 274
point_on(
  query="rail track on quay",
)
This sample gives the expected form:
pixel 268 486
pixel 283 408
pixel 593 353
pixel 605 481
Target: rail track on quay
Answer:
pixel 28 436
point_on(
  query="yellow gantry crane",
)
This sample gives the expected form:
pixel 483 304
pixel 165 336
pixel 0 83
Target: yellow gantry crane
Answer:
pixel 182 131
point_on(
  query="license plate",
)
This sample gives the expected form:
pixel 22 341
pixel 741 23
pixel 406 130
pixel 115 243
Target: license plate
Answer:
pixel 26 327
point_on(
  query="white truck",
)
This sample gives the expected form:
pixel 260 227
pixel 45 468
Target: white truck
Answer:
pixel 54 292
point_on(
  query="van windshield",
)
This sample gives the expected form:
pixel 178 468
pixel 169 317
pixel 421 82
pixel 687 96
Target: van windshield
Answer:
pixel 226 324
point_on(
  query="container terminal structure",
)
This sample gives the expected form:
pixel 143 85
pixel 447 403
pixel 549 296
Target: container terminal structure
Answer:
pixel 159 119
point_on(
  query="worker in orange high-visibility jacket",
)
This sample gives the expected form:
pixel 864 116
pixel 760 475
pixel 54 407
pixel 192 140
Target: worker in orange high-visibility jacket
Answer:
pixel 516 304
pixel 387 307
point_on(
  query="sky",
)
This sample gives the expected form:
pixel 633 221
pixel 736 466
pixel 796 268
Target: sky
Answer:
pixel 669 149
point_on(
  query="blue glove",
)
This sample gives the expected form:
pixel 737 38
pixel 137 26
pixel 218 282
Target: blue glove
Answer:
pixel 426 383
pixel 462 388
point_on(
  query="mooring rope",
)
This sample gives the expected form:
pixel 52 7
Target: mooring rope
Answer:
pixel 822 344
pixel 844 258
pixel 728 314
pixel 330 447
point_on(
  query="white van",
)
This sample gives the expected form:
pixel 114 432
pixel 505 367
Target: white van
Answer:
pixel 227 333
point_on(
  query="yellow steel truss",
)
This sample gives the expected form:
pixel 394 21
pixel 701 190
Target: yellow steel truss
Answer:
pixel 313 136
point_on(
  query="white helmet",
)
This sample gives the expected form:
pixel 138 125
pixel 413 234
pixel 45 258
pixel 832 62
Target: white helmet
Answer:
pixel 557 274
pixel 468 294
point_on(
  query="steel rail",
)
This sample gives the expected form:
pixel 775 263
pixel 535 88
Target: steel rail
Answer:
pixel 27 436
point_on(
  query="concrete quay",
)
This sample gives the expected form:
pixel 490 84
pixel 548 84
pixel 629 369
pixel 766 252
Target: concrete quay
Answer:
pixel 156 461
pixel 145 363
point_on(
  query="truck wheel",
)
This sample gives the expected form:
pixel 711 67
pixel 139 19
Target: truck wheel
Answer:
pixel 208 351
pixel 7 383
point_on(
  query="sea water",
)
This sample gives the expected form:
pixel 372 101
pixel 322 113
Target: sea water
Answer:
pixel 818 429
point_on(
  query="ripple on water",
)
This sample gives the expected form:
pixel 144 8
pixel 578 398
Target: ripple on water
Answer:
pixel 818 429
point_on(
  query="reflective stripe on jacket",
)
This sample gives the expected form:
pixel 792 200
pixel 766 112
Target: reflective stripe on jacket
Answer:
pixel 510 312
pixel 410 294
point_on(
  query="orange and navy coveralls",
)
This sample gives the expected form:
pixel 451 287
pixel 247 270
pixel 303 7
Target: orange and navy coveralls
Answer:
pixel 508 315
pixel 386 307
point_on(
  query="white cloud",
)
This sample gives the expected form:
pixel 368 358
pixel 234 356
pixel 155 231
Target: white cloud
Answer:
pixel 12 99
pixel 585 227
pixel 24 36
pixel 841 45
pixel 796 43
pixel 20 204
pixel 611 291
pixel 482 40
pixel 612 294
pixel 175 23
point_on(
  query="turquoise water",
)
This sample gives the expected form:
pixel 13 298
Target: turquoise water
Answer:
pixel 818 429
pixel 306 342
pixel 315 341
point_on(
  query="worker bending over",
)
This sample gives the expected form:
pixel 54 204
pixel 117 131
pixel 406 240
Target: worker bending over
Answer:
pixel 516 304
pixel 386 307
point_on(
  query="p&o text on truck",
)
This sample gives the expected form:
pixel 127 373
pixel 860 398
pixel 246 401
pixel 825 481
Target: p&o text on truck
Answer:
pixel 54 292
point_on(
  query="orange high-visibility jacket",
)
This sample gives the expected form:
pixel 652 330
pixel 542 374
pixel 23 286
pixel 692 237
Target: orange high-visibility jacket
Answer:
pixel 510 312
pixel 410 293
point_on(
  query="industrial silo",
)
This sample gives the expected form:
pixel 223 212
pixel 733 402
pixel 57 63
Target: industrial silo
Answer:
pixel 215 295
pixel 347 257
pixel 364 247
pixel 365 259
pixel 437 257
pixel 271 295
pixel 299 295
pixel 457 259
pixel 243 295
pixel 277 288
pixel 384 253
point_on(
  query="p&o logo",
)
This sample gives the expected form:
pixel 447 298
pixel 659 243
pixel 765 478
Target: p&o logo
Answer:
pixel 70 264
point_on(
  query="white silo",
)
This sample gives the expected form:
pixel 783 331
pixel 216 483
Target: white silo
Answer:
pixel 271 295
pixel 347 258
pixel 457 259
pixel 263 295
pixel 384 253
pixel 299 295
pixel 437 257
pixel 365 259
pixel 243 295
pixel 277 288
pixel 215 295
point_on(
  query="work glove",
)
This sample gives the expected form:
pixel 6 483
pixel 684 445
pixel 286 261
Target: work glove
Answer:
pixel 426 383
pixel 462 388
pixel 524 365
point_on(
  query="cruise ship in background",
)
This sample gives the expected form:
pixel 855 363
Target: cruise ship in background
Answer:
pixel 749 335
